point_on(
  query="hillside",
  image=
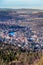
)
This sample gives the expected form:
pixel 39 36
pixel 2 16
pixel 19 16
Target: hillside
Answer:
pixel 40 62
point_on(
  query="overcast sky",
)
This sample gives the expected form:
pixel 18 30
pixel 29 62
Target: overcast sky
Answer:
pixel 37 4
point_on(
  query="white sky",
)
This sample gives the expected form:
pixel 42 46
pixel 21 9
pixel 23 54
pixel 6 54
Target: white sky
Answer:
pixel 21 4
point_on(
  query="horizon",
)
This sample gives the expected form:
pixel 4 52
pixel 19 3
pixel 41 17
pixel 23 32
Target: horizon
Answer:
pixel 20 9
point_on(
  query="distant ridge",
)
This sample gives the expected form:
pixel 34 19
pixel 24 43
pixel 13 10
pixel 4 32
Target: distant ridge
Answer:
pixel 21 9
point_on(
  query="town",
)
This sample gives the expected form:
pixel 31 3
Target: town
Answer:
pixel 21 36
